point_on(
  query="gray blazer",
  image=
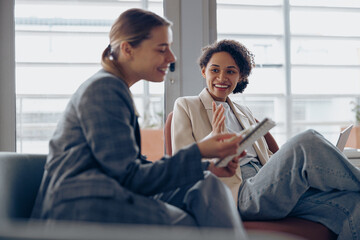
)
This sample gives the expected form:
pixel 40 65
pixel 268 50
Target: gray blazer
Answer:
pixel 95 160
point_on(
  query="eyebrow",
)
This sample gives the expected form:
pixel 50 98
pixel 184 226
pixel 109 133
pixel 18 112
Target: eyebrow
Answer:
pixel 163 45
pixel 215 65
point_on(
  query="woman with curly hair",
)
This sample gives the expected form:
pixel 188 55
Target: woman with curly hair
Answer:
pixel 308 177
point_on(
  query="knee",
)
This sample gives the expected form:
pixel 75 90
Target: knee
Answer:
pixel 212 184
pixel 211 180
pixel 310 136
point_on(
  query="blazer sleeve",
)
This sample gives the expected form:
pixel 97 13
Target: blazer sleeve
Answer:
pixel 181 126
pixel 107 117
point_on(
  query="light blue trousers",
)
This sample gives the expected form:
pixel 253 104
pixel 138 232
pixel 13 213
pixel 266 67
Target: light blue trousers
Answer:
pixel 307 178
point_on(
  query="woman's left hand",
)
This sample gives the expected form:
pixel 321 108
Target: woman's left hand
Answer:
pixel 229 170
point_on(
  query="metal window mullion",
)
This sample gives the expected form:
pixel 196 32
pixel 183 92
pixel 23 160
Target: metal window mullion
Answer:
pixel 325 8
pixel 20 128
pixel 145 4
pixel 287 66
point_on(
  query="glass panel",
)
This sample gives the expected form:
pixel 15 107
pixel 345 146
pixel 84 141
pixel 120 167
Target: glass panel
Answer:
pixel 266 81
pixel 51 79
pixel 267 50
pixel 37 117
pixel 325 51
pixel 157 7
pixel 154 115
pixel 325 81
pixel 58 46
pixel 251 2
pixel 331 22
pixel 235 19
pixel 326 3
pixel 137 88
pixel 156 88
pixel 326 115
pixel 56 10
pixel 318 40
pixel 263 107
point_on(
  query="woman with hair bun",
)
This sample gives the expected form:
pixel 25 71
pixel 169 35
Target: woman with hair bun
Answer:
pixel 95 171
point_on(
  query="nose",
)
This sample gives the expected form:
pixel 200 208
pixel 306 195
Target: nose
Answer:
pixel 221 76
pixel 171 57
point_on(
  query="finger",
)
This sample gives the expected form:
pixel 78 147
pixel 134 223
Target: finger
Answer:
pixel 238 139
pixel 216 113
pixel 219 122
pixel 219 112
pixel 232 165
pixel 222 124
pixel 223 136
pixel 232 171
pixel 236 159
pixel 243 154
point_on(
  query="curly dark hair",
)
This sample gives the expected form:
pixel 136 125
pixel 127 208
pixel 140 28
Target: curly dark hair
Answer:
pixel 244 59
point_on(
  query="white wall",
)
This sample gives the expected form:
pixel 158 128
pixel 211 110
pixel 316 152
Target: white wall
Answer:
pixel 194 27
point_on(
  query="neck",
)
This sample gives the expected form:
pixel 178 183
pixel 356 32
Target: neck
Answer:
pixel 127 74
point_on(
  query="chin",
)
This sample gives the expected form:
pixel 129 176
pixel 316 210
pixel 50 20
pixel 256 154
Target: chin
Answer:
pixel 157 80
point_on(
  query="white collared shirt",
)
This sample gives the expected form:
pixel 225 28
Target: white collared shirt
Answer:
pixel 233 126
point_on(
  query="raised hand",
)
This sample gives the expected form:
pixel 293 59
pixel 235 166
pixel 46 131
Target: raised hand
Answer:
pixel 218 121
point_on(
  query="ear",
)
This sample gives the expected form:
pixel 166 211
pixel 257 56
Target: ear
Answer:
pixel 126 49
pixel 203 72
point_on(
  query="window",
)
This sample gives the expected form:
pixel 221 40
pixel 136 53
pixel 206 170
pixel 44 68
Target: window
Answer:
pixel 58 46
pixel 307 62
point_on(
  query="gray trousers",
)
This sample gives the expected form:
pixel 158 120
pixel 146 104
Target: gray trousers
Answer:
pixel 308 178
pixel 207 203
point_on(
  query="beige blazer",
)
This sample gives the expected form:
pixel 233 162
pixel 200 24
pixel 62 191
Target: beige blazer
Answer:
pixel 191 122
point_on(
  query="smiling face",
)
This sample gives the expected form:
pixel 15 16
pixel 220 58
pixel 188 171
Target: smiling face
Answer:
pixel 221 74
pixel 151 59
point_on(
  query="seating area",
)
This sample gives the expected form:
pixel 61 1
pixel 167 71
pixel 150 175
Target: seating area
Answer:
pixel 20 177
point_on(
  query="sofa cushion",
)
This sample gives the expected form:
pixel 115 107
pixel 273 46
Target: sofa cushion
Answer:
pixel 296 226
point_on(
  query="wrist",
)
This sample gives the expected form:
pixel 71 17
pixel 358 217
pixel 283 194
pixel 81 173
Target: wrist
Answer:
pixel 212 168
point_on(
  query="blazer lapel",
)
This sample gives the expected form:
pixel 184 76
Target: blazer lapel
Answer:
pixel 244 122
pixel 207 100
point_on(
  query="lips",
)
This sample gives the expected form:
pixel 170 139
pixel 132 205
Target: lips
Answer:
pixel 221 86
pixel 163 69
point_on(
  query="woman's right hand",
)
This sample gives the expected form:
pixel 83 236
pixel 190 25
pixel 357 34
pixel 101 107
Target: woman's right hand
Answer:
pixel 218 146
pixel 218 120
